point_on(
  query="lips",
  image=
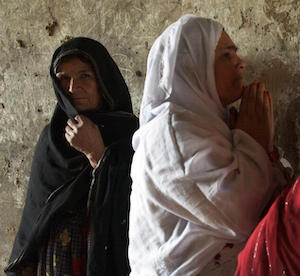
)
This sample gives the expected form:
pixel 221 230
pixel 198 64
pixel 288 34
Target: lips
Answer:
pixel 78 99
pixel 238 80
pixel 80 102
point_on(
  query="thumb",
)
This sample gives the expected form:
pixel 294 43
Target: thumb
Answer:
pixel 79 120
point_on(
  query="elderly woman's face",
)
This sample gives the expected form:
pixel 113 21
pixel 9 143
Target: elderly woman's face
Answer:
pixel 78 80
pixel 228 70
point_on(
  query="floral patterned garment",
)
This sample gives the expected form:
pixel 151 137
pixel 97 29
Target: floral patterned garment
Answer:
pixel 66 252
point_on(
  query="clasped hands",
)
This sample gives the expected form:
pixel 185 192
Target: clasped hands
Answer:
pixel 255 115
pixel 83 135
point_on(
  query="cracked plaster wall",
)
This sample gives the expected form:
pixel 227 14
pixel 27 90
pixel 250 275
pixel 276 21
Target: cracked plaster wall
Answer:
pixel 266 31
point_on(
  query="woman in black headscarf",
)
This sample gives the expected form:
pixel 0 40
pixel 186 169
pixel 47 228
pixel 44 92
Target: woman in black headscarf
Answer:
pixel 75 219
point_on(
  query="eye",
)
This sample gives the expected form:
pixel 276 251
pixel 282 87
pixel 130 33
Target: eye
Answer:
pixel 64 81
pixel 85 75
pixel 227 55
pixel 64 78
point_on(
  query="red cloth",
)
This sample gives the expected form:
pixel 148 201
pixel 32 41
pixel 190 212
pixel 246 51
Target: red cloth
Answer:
pixel 274 246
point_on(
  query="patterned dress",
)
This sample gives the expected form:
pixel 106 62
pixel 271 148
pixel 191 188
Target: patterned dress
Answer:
pixel 65 253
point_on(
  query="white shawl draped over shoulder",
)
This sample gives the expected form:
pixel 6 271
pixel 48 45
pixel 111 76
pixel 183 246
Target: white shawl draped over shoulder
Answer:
pixel 196 183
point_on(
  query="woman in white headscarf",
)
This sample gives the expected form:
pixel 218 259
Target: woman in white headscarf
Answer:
pixel 197 183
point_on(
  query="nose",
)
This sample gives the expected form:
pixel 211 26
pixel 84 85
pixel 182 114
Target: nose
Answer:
pixel 71 87
pixel 241 63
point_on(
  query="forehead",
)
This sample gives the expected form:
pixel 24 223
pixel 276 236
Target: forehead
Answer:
pixel 224 42
pixel 74 64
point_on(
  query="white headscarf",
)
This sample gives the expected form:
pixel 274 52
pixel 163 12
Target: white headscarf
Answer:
pixel 180 69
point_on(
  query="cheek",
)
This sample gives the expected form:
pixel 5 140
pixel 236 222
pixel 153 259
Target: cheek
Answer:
pixel 225 71
pixel 90 88
pixel 218 76
pixel 228 79
pixel 223 79
pixel 94 94
pixel 221 71
pixel 64 85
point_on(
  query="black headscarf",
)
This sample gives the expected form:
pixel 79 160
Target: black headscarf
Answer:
pixel 56 165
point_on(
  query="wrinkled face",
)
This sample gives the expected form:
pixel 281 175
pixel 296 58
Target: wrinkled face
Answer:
pixel 228 70
pixel 78 80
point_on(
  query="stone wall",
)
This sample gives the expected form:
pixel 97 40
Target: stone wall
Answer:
pixel 266 31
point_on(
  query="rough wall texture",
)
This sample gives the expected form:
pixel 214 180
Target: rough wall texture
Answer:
pixel 266 31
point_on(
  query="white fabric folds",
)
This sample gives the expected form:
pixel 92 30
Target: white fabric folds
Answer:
pixel 196 183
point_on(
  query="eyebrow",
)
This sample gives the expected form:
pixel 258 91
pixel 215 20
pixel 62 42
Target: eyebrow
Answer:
pixel 231 47
pixel 58 74
pixel 81 71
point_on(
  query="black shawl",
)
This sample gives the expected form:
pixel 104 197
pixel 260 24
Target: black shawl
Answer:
pixel 61 176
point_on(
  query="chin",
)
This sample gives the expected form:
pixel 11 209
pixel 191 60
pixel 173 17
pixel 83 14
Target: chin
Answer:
pixel 236 95
pixel 81 108
pixel 238 91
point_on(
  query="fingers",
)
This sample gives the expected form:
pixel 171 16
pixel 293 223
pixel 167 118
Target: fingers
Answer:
pixel 256 114
pixel 253 98
pixel 270 117
pixel 74 124
pixel 79 119
pixel 268 105
pixel 69 131
pixel 253 88
pixel 78 129
pixel 244 102
pixel 251 106
pixel 270 102
pixel 272 110
pixel 68 138
pixel 260 95
pixel 266 102
pixel 69 134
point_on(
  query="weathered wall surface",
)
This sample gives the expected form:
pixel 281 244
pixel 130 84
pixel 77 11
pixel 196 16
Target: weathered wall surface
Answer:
pixel 266 31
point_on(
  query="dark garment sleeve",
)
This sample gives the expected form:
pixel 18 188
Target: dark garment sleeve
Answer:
pixel 109 214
